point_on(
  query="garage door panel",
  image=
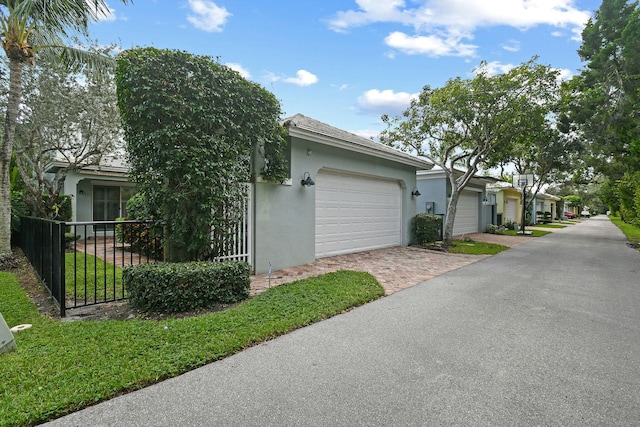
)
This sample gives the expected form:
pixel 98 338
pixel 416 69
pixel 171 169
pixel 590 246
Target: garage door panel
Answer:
pixel 356 213
pixel 467 214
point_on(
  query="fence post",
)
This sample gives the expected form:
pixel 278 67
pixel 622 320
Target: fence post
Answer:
pixel 61 270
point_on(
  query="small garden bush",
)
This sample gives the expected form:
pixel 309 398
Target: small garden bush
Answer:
pixel 495 229
pixel 180 287
pixel 426 228
pixel 145 238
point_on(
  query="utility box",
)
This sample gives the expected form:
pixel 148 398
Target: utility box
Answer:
pixel 7 343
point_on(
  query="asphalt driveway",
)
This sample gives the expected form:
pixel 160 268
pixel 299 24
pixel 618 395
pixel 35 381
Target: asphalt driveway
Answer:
pixel 546 333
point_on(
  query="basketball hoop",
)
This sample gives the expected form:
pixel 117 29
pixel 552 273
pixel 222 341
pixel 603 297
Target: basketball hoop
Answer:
pixel 522 181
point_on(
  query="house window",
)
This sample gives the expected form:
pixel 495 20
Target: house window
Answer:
pixel 106 203
pixel 109 202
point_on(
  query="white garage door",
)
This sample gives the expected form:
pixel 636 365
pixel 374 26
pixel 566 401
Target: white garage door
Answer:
pixel 466 213
pixel 355 213
pixel 510 210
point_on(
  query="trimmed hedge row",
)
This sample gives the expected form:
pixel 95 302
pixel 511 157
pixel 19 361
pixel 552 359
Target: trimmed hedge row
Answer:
pixel 178 287
pixel 426 228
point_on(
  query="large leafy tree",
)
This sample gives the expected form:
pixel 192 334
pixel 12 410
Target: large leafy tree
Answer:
pixel 29 28
pixel 460 126
pixel 191 128
pixel 607 91
pixel 71 117
pixel 605 108
pixel 546 151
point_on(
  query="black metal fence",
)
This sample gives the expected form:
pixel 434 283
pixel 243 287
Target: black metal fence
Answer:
pixel 80 263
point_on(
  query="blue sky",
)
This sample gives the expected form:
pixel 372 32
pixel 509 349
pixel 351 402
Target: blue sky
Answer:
pixel 347 62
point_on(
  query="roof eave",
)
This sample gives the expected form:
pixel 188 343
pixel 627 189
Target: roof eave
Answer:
pixel 398 157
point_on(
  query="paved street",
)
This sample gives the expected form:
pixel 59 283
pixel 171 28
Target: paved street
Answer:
pixel 546 333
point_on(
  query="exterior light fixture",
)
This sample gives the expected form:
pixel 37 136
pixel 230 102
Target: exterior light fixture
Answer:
pixel 306 180
pixel 415 192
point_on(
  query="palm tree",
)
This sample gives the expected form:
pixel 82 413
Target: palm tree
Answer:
pixel 38 27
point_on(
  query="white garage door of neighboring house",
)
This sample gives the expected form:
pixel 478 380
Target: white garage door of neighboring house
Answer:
pixel 510 209
pixel 355 213
pixel 466 213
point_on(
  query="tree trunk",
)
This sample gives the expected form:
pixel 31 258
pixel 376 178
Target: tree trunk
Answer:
pixel 15 88
pixel 447 238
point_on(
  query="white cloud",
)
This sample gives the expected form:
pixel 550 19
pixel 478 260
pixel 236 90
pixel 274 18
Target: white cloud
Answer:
pixel 494 67
pixel 302 78
pixel 108 16
pixel 240 69
pixel 376 101
pixel 441 25
pixel 367 133
pixel 207 15
pixel 565 74
pixel 512 46
pixel 429 45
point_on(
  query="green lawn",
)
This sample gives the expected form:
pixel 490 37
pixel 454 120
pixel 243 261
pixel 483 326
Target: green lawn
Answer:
pixel 86 275
pixel 471 247
pixel 551 225
pixel 61 367
pixel 631 231
pixel 534 233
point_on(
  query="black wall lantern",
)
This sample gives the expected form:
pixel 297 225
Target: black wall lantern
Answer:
pixel 306 180
pixel 415 192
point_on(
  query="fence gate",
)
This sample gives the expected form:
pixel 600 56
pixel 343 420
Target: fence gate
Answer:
pixel 234 243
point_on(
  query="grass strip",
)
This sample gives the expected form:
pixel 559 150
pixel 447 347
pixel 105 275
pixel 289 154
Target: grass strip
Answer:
pixel 631 231
pixel 534 233
pixel 61 367
pixel 551 225
pixel 471 247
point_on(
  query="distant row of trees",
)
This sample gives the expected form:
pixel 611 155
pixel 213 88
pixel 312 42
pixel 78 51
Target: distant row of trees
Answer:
pixel 606 104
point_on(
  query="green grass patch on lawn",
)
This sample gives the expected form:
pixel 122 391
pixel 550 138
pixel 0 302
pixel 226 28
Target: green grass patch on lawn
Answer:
pixel 62 367
pixel 471 247
pixel 91 277
pixel 534 233
pixel 551 225
pixel 631 231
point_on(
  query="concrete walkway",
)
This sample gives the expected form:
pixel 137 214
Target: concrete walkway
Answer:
pixel 547 333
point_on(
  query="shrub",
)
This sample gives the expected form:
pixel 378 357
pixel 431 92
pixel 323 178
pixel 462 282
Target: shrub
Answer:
pixel 179 287
pixel 495 229
pixel 426 228
pixel 69 238
pixel 510 225
pixel 145 238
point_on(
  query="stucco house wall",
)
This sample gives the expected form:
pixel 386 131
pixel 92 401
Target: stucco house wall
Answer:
pixel 284 214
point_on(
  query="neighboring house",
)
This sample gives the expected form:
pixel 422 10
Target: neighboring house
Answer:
pixel 546 203
pixel 360 198
pixel 508 203
pixel 475 207
pixel 98 192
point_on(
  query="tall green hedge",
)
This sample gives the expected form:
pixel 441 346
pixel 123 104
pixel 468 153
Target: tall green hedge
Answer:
pixel 426 228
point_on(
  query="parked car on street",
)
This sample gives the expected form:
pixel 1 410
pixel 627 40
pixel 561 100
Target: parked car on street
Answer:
pixel 570 215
